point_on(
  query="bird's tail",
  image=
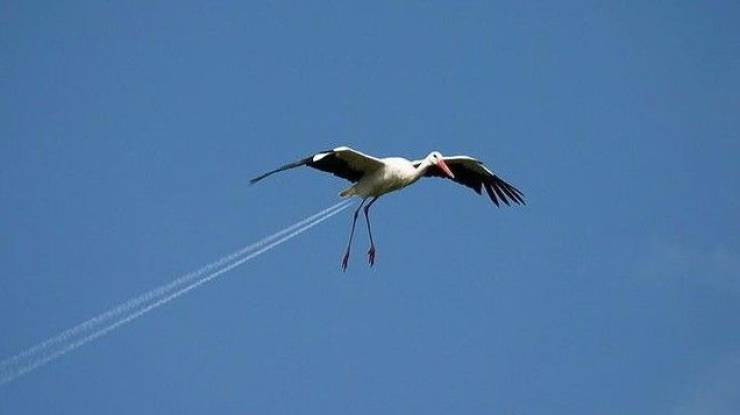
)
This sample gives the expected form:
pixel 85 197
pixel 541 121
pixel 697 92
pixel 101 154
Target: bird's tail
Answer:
pixel 348 192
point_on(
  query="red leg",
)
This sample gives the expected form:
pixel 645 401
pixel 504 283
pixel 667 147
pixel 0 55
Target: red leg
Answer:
pixel 371 252
pixel 345 259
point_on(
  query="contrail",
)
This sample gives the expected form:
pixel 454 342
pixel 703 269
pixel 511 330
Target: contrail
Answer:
pixel 154 293
pixel 57 346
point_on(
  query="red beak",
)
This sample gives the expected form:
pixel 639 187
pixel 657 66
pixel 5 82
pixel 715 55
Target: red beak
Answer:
pixel 443 166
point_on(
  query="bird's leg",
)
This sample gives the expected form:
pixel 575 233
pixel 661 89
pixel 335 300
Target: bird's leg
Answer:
pixel 345 259
pixel 371 252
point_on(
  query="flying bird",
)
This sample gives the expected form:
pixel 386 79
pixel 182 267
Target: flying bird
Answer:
pixel 373 177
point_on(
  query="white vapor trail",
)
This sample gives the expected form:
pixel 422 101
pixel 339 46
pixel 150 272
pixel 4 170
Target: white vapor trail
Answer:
pixel 98 326
pixel 154 293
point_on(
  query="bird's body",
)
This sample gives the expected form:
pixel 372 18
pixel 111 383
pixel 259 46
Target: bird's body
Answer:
pixel 374 177
pixel 395 174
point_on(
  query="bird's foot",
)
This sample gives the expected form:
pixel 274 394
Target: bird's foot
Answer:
pixel 371 256
pixel 345 260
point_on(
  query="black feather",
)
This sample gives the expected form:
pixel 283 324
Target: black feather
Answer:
pixel 498 190
pixel 336 166
pixel 491 194
pixel 500 194
pixel 282 168
pixel 329 163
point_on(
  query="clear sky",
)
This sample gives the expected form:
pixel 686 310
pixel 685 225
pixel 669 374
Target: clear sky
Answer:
pixel 128 135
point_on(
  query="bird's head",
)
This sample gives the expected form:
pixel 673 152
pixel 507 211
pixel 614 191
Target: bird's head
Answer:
pixel 436 159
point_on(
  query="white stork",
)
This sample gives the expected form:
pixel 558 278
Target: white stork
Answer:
pixel 374 177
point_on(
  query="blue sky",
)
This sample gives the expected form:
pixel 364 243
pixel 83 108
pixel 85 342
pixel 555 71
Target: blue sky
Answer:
pixel 129 133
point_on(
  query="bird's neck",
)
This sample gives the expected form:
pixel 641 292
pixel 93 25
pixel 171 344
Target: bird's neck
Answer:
pixel 419 171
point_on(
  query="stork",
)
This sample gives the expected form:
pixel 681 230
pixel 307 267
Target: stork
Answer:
pixel 373 177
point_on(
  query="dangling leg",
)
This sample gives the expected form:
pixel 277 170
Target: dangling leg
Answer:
pixel 371 252
pixel 345 259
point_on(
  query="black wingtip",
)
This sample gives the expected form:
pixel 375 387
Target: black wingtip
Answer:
pixel 281 168
pixel 256 179
pixel 519 195
pixel 509 190
pixel 500 194
pixel 503 188
pixel 491 194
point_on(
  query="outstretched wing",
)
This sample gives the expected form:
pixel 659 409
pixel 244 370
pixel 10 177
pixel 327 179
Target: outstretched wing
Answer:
pixel 343 162
pixel 473 174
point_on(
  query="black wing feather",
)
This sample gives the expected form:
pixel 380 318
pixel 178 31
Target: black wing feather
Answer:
pixel 336 166
pixel 329 163
pixel 492 195
pixel 282 168
pixel 496 188
pixel 500 194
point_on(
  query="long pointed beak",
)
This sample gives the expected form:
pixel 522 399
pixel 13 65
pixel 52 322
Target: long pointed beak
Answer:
pixel 445 168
